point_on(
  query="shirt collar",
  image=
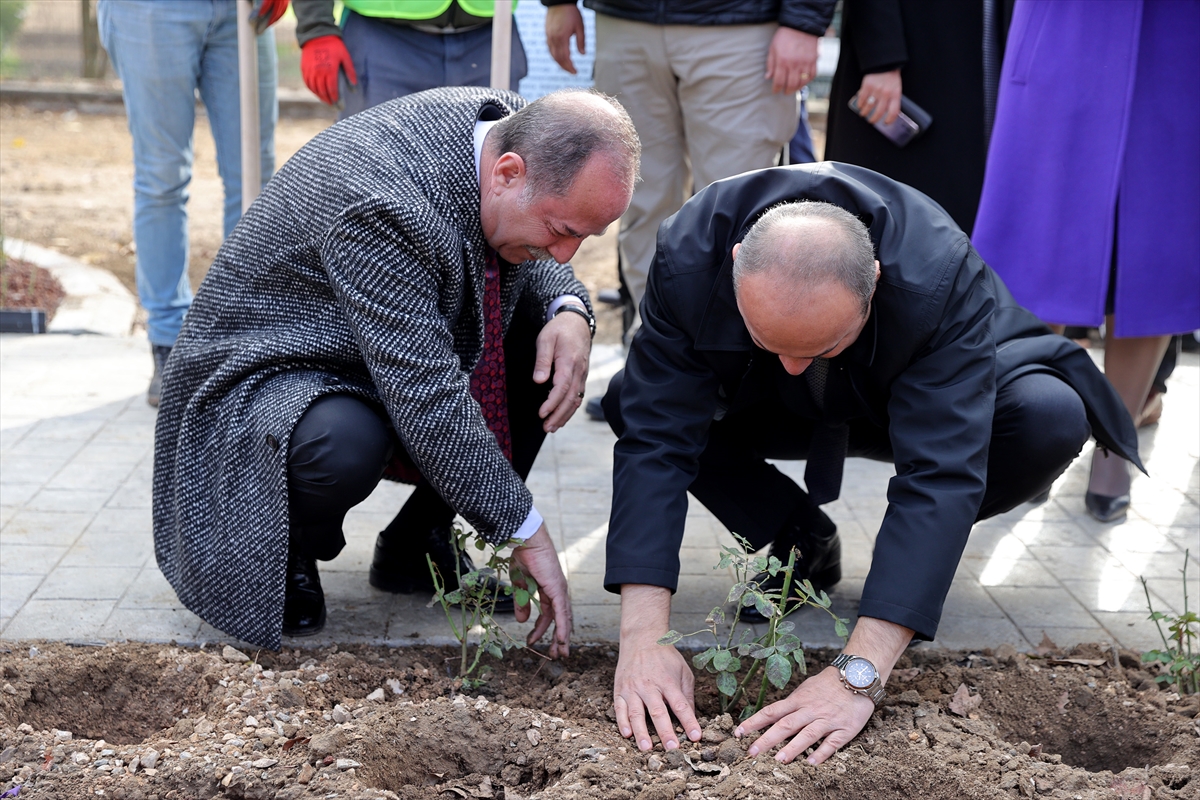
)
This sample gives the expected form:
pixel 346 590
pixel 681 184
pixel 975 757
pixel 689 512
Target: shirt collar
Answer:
pixel 481 131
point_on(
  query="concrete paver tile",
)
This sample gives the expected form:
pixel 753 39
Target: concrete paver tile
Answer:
pixel 30 469
pixel 149 591
pixel 6 514
pixel 956 631
pixel 110 550
pixel 1160 565
pixel 586 501
pixel 112 456
pixel 58 619
pixel 968 598
pixel 39 447
pixel 86 583
pixel 1066 637
pixel 1120 592
pixel 17 494
pixel 164 625
pixel 75 429
pixel 28 559
pixel 45 527
pixel 1132 629
pixel 1072 562
pixel 122 520
pixel 89 477
pixel 134 493
pixel 15 590
pixel 87 500
pixel 1170 592
pixel 1034 607
pixel 588 588
pixel 1000 570
pixel 116 432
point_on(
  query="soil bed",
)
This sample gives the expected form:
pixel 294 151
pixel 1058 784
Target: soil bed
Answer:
pixel 135 722
pixel 24 285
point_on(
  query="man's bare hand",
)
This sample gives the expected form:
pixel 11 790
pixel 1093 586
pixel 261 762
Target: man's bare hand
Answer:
pixel 538 558
pixel 820 708
pixel 653 679
pixel 792 60
pixel 879 97
pixel 563 22
pixel 566 344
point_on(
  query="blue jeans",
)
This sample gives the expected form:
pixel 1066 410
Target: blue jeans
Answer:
pixel 164 51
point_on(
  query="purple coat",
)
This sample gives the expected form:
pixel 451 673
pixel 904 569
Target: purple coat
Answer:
pixel 1097 136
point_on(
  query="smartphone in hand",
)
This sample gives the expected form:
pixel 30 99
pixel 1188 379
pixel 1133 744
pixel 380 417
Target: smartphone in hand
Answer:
pixel 910 123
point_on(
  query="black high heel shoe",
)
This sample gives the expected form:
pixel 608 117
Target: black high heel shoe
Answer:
pixel 1104 508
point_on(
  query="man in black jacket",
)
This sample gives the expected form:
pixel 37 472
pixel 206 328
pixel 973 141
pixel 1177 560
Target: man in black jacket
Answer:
pixel 818 312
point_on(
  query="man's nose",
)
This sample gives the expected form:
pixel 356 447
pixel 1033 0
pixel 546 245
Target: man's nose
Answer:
pixel 794 366
pixel 564 248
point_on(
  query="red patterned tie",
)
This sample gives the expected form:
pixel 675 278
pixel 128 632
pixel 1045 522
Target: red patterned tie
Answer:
pixel 488 385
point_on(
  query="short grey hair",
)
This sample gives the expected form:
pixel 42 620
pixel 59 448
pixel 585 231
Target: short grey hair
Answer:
pixel 555 136
pixel 837 249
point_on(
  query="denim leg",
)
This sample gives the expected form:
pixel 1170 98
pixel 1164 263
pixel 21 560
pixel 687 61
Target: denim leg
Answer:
pixel 155 47
pixel 220 92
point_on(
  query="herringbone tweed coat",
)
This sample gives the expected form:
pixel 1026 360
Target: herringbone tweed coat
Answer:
pixel 360 269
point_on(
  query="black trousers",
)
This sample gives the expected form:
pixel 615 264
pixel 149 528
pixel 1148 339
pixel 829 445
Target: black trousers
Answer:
pixel 1038 429
pixel 342 444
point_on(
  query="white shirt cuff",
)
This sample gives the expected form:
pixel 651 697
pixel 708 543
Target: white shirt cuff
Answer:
pixel 530 526
pixel 562 300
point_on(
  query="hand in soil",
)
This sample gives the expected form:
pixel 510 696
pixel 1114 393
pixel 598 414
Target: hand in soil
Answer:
pixel 538 559
pixel 653 679
pixel 821 708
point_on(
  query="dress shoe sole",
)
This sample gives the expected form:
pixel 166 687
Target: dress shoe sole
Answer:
pixel 306 630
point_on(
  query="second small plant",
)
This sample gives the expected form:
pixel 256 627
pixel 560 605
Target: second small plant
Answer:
pixel 776 651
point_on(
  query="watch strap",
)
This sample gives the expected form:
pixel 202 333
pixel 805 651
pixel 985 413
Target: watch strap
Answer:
pixel 583 312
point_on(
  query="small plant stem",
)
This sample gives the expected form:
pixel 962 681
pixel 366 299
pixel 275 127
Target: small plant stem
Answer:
pixel 741 689
pixel 437 583
pixel 1157 624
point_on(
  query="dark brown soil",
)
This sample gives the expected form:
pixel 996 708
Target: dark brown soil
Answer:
pixel 147 721
pixel 23 285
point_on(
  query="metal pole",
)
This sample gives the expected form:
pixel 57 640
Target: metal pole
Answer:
pixel 502 45
pixel 248 86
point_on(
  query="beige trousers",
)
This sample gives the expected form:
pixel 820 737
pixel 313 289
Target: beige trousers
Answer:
pixel 698 97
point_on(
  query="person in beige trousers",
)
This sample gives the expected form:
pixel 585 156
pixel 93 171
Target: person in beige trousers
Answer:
pixel 710 85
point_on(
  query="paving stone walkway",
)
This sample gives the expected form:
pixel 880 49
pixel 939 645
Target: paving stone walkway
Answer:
pixel 77 557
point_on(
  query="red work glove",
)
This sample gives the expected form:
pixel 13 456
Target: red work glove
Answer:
pixel 268 13
pixel 320 59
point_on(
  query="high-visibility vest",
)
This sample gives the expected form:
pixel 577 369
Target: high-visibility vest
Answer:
pixel 418 9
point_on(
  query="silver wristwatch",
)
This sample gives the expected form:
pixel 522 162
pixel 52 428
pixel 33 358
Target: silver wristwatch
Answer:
pixel 860 676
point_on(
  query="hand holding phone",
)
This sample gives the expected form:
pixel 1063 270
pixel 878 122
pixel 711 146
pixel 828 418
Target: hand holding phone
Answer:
pixel 910 123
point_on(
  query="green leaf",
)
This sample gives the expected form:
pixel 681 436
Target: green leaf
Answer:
pixel 839 627
pixel 726 684
pixel 670 637
pixel 721 660
pixel 823 601
pixel 736 592
pixel 765 607
pixel 779 670
pixel 787 626
pixel 747 713
pixel 787 643
pixel 453 598
pixel 495 650
pixel 758 652
pixel 748 598
pixel 724 562
pixel 480 544
pixel 717 617
pixel 701 660
pixel 521 596
pixel 773 566
pixel 759 563
pixel 799 656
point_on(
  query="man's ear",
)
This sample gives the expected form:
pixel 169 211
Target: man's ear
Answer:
pixel 509 170
pixel 878 271
pixel 738 247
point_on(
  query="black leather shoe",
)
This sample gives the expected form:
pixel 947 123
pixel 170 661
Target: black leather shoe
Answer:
pixel 400 568
pixel 1105 508
pixel 820 559
pixel 303 600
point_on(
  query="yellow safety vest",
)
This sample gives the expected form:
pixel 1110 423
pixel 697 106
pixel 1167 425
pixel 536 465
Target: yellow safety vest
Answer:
pixel 418 9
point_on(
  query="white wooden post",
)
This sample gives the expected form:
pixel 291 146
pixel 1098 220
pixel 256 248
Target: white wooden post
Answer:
pixel 248 91
pixel 502 45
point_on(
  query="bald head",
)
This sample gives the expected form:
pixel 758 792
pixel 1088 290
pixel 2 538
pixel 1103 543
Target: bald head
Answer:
pixel 803 245
pixel 556 135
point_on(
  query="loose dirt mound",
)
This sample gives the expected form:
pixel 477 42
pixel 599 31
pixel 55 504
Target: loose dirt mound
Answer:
pixel 136 722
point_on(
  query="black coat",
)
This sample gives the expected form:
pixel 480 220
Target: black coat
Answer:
pixel 937 44
pixel 942 336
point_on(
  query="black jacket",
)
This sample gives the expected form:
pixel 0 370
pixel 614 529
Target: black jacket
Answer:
pixel 943 335
pixel 810 16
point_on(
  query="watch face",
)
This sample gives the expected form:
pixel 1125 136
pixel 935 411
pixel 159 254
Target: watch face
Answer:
pixel 860 673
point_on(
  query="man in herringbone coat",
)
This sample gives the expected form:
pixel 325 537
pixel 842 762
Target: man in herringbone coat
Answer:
pixel 342 329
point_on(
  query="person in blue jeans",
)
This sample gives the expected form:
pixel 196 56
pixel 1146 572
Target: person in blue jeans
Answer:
pixel 164 51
